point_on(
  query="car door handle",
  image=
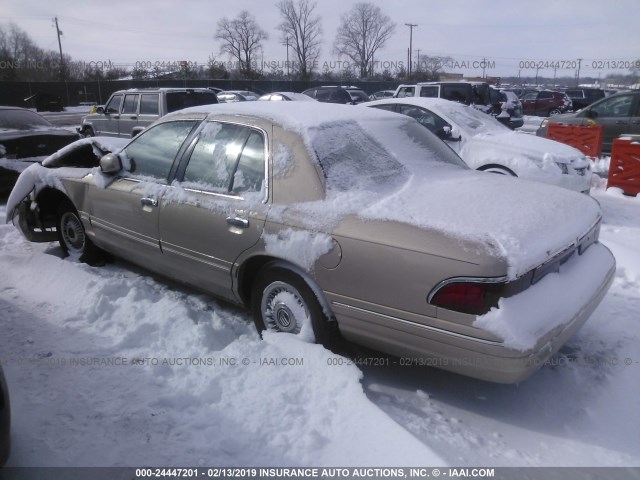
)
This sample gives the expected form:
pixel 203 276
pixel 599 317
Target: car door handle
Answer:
pixel 636 122
pixel 133 118
pixel 238 222
pixel 621 122
pixel 149 202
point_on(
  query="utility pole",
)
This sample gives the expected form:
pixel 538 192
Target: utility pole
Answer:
pixel 410 25
pixel 60 47
pixel 578 74
pixel 287 44
pixel 418 63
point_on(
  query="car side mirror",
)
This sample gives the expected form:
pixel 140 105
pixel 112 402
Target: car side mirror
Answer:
pixel 454 135
pixel 444 133
pixel 110 163
pixel 100 110
pixel 591 114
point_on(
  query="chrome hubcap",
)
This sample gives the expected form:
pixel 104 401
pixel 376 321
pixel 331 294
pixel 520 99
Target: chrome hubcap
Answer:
pixel 283 308
pixel 72 233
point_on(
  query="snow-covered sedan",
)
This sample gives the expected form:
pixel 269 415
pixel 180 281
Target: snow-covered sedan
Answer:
pixel 485 144
pixel 330 221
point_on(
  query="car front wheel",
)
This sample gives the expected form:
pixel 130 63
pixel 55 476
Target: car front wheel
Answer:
pixel 74 241
pixel 281 301
pixel 88 132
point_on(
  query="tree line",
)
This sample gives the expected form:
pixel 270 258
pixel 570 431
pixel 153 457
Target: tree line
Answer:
pixel 362 32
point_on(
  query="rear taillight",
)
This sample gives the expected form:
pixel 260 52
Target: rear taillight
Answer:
pixel 468 297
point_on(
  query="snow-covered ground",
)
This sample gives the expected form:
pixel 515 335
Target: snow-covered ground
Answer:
pixel 108 366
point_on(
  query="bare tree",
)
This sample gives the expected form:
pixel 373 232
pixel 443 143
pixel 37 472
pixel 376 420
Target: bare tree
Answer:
pixel 300 27
pixel 362 32
pixel 241 38
pixel 430 67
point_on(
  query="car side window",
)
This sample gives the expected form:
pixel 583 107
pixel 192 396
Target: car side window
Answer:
pixel 114 104
pixel 430 91
pixel 530 96
pixel 390 108
pixel 406 92
pixel 614 107
pixel 249 174
pixel 152 152
pixel 130 104
pixel 227 158
pixel 149 104
pixel 424 117
pixel 545 95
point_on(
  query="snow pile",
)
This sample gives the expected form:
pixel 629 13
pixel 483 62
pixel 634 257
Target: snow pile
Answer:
pixel 137 373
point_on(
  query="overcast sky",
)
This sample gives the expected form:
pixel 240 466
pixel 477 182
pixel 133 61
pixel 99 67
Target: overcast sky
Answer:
pixel 505 32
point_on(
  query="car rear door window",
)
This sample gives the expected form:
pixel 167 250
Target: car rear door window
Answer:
pixel 430 91
pixel 227 158
pixel 153 152
pixel 149 104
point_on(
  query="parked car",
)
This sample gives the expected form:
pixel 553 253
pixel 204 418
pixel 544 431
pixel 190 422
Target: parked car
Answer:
pixel 507 108
pixel 338 222
pixel 128 112
pixel 487 145
pixel 26 137
pixel 337 94
pixel 468 93
pixel 46 102
pixel 545 103
pixel 230 96
pixel 479 95
pixel 5 420
pixel 619 114
pixel 286 96
pixel 582 97
pixel 381 94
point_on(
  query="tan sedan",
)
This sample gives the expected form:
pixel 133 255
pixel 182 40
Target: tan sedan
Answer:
pixel 329 221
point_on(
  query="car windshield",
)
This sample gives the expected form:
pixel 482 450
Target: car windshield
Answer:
pixel 472 121
pixel 376 155
pixel 21 120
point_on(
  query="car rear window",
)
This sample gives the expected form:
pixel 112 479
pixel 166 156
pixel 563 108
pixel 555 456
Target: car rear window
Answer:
pixel 376 155
pixel 186 99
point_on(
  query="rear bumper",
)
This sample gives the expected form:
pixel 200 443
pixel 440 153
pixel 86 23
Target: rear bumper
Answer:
pixel 428 342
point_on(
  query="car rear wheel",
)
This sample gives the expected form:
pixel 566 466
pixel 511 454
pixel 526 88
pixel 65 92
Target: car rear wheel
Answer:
pixel 281 301
pixel 72 238
pixel 554 111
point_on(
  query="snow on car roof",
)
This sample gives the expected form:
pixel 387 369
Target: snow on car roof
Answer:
pixel 294 115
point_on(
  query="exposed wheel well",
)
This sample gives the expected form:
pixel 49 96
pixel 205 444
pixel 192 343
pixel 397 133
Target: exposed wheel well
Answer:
pixel 48 201
pixel 249 269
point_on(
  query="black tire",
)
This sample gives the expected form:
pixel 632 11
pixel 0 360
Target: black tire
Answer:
pixel 554 111
pixel 72 238
pixel 88 132
pixel 273 305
